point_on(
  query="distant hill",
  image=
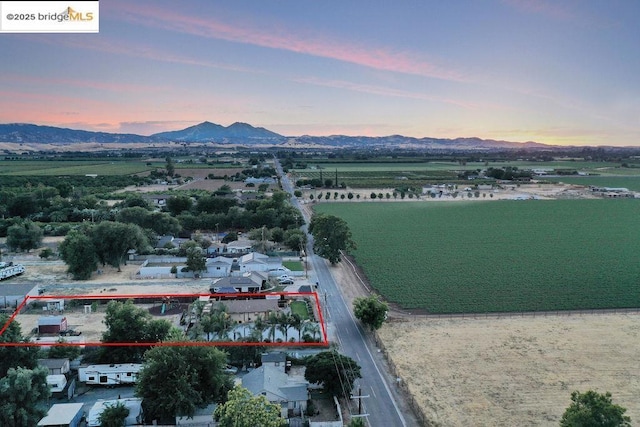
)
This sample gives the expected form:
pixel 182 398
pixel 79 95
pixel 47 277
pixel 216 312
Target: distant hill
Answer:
pixel 28 133
pixel 207 131
pixel 245 134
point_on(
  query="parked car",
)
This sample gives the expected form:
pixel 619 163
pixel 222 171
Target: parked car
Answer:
pixel 286 281
pixel 232 370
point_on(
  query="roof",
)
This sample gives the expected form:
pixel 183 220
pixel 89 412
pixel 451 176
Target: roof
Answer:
pixel 239 244
pixel 220 260
pixel 254 257
pixel 252 279
pixel 134 405
pixel 61 413
pixel 276 356
pixel 276 384
pixel 17 289
pixel 51 320
pixel 54 363
pixel 124 367
pixel 251 305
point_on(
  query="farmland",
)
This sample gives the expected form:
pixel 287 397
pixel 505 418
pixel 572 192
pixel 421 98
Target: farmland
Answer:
pixel 499 256
pixel 630 182
pixel 401 173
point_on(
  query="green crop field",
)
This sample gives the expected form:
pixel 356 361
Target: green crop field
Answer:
pixel 499 256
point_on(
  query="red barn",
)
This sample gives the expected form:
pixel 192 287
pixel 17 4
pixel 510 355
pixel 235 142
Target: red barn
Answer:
pixel 52 324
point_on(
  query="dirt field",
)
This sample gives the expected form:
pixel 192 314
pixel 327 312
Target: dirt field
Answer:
pixel 492 372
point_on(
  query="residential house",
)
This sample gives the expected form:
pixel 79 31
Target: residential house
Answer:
pixel 271 381
pixel 251 282
pixel 244 311
pixel 63 415
pixel 218 267
pixel 240 246
pixel 165 242
pixel 55 366
pixel 256 261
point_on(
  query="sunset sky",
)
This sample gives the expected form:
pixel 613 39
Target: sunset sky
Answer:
pixel 552 71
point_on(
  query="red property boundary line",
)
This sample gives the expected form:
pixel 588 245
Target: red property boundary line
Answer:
pixel 222 297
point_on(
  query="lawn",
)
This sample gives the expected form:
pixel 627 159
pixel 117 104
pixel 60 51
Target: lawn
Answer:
pixel 300 308
pixel 499 255
pixel 293 265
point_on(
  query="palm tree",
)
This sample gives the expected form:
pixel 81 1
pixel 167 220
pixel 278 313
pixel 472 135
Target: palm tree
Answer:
pixel 258 326
pixel 222 323
pixel 273 325
pixel 208 325
pixel 283 325
pixel 312 328
pixel 296 322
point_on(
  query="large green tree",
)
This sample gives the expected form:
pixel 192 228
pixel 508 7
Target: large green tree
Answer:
pixel 336 372
pixel 130 324
pixel 112 241
pixel 23 396
pixel 176 380
pixel 15 356
pixel 330 236
pixel 178 204
pixel 196 260
pixel 242 409
pixel 114 415
pixel 370 310
pixel 24 236
pixel 593 409
pixel 78 253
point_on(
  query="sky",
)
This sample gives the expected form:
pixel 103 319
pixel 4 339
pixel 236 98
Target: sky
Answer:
pixel 563 72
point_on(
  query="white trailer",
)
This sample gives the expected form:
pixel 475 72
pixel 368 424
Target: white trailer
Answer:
pixel 109 375
pixel 9 270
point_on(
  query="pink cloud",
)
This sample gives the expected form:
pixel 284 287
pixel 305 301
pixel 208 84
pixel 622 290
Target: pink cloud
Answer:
pixel 385 91
pixel 276 38
pixel 140 51
pixel 565 12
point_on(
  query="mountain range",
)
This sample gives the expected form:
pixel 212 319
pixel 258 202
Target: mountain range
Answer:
pixel 245 134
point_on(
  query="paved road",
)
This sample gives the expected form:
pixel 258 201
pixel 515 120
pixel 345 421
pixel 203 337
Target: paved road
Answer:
pixel 381 406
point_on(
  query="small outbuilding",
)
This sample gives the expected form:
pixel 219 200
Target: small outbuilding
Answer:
pixel 63 415
pixel 52 324
pixel 55 366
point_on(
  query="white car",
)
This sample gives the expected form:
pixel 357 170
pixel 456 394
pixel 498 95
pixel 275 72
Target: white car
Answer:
pixel 286 281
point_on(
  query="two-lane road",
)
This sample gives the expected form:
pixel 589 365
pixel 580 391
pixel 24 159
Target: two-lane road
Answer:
pixel 380 405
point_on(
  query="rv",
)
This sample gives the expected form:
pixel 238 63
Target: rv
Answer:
pixel 8 269
pixel 109 375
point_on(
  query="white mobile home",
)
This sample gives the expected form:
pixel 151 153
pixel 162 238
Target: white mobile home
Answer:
pixel 109 374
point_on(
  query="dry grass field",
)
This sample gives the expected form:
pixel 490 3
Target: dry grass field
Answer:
pixel 507 371
pixel 515 371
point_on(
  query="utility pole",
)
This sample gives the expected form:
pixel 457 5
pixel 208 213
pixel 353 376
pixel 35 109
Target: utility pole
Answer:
pixel 360 397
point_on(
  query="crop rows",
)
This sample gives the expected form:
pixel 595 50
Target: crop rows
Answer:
pixel 499 256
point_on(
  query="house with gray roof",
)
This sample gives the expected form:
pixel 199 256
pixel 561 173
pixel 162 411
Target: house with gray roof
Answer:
pixel 218 266
pixel 289 392
pixel 249 282
pixel 256 261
